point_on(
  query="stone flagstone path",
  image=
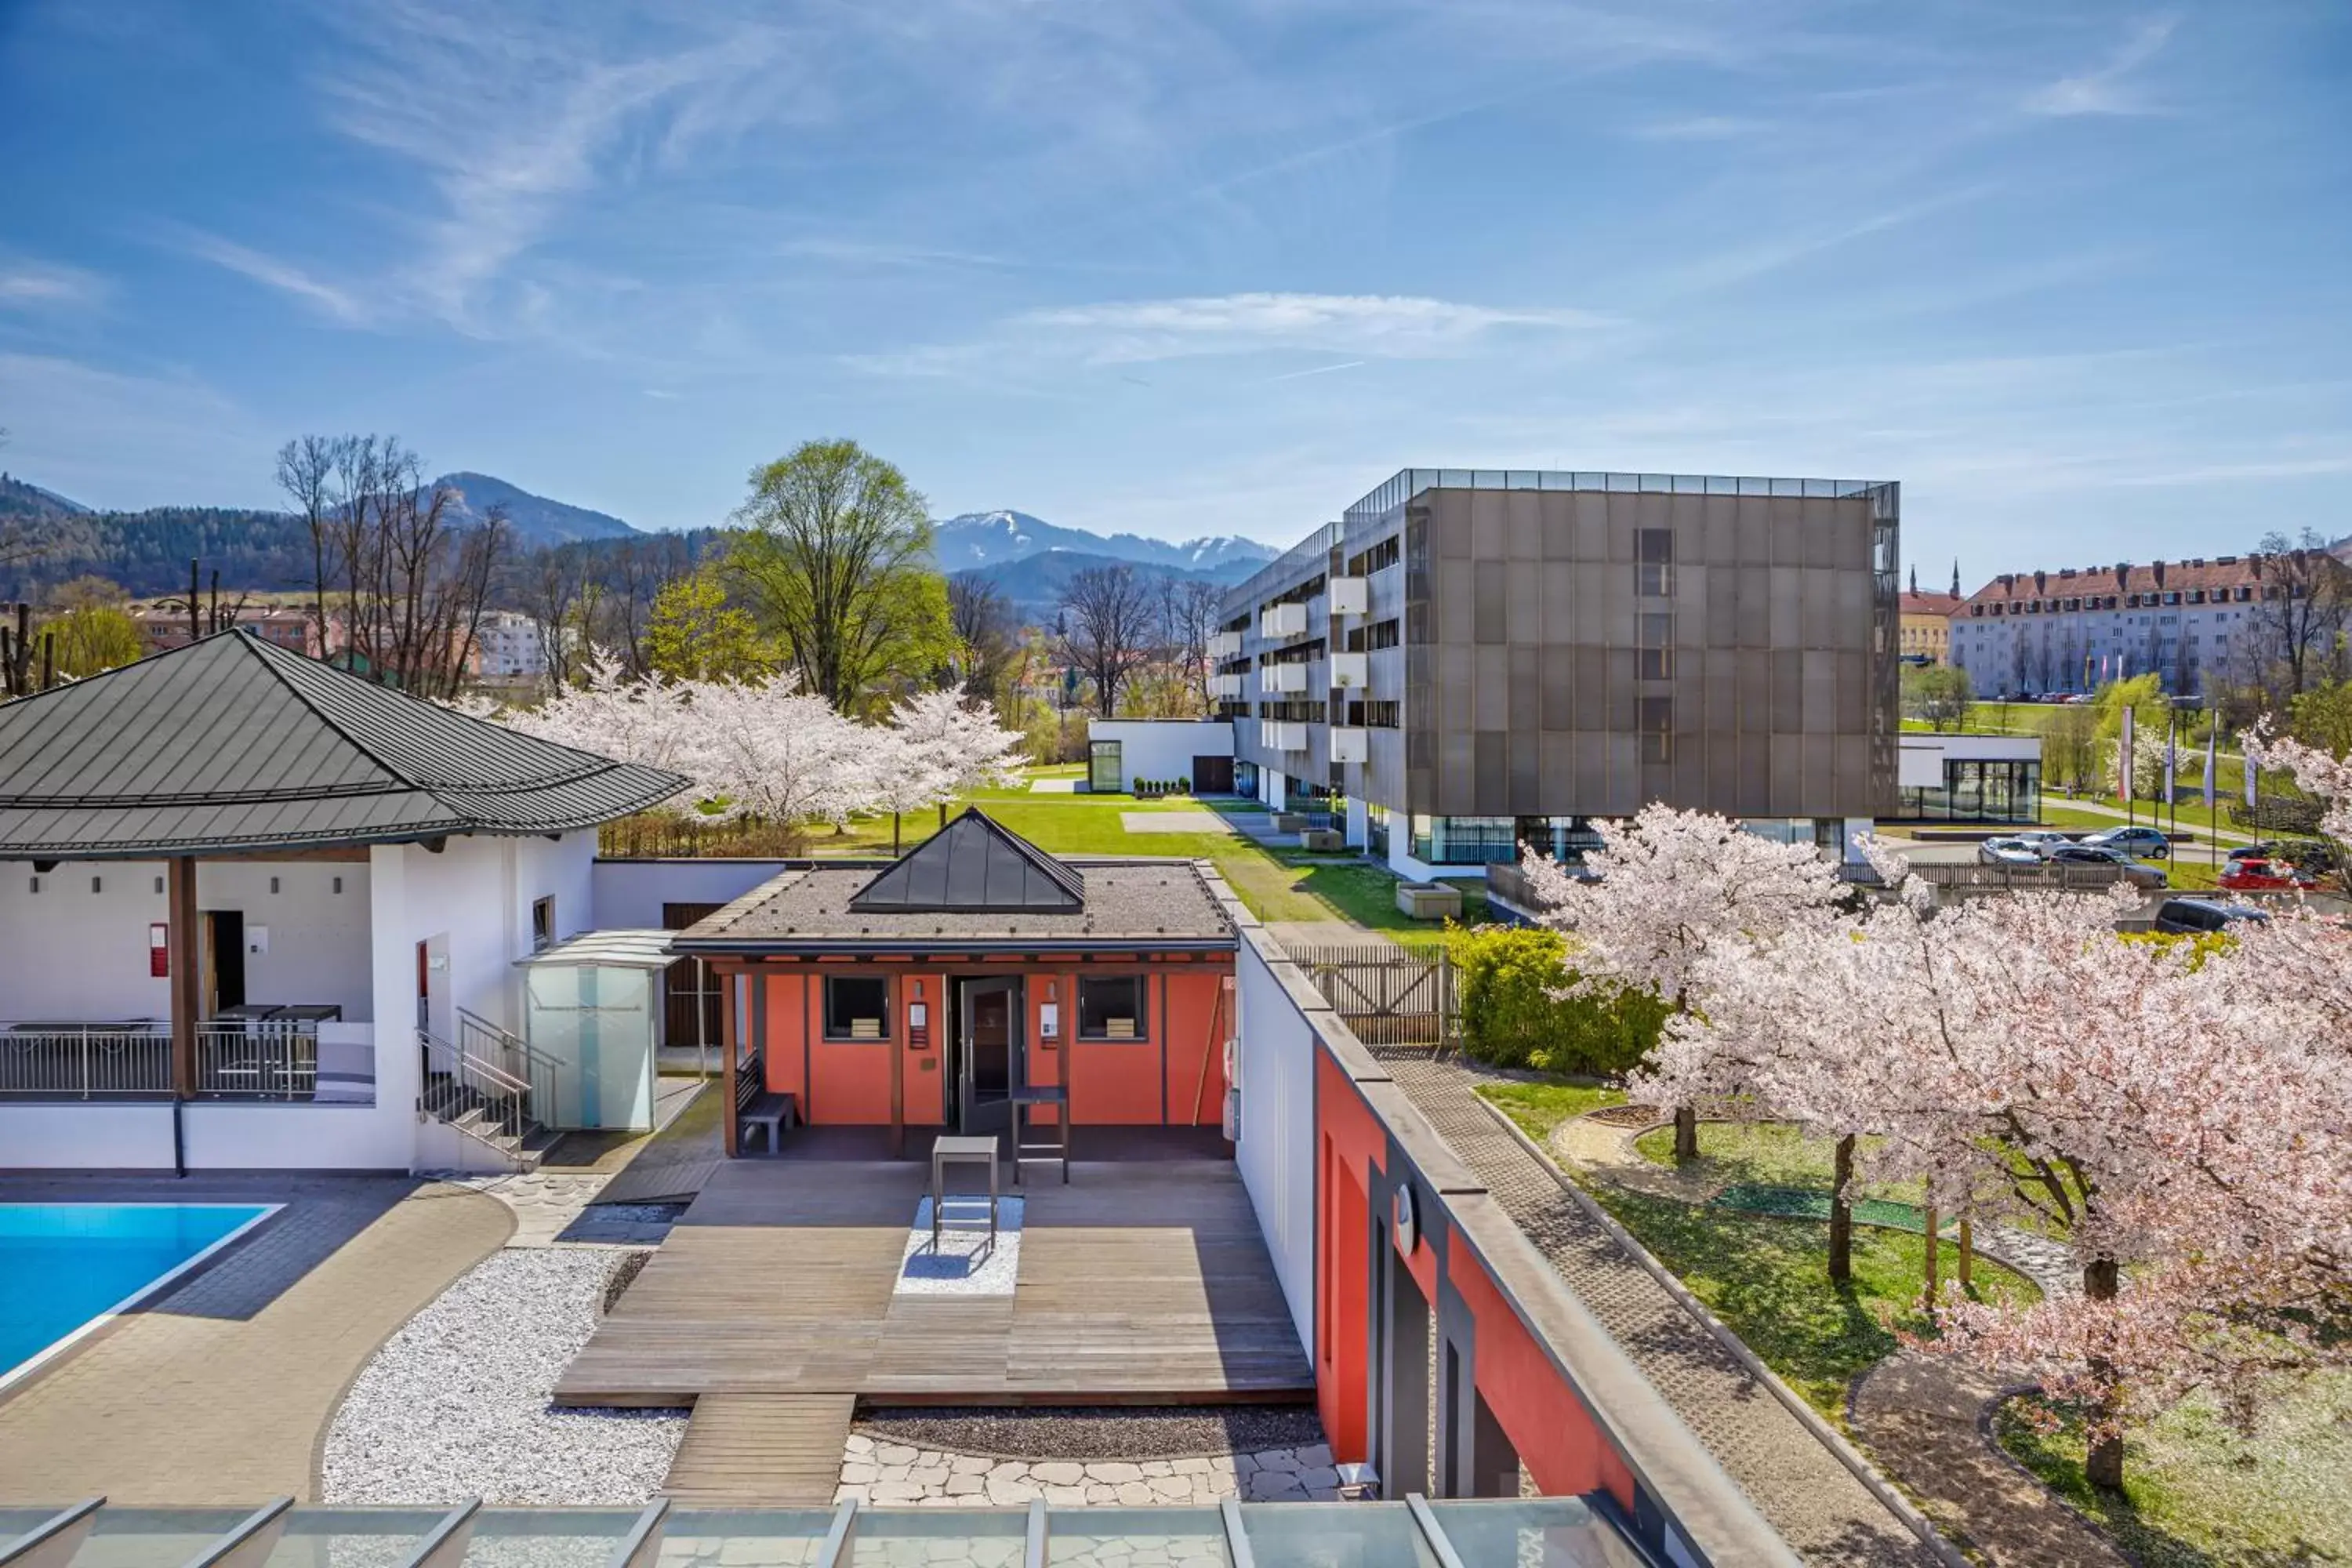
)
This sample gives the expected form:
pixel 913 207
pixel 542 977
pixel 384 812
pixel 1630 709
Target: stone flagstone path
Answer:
pixel 897 1474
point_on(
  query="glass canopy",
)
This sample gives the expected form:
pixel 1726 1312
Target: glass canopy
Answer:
pixel 1528 1532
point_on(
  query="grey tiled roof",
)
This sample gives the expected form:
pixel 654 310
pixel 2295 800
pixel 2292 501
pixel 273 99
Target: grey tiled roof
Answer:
pixel 975 864
pixel 231 742
pixel 1136 902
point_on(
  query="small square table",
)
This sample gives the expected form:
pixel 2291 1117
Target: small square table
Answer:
pixel 946 1152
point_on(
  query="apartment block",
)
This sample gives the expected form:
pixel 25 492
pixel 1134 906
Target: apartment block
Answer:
pixel 1471 658
pixel 2189 622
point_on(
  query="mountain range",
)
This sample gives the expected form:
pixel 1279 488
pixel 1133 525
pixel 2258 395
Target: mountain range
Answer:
pixel 994 539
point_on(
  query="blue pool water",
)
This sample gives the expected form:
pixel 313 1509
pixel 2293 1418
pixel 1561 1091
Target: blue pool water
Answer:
pixel 62 1265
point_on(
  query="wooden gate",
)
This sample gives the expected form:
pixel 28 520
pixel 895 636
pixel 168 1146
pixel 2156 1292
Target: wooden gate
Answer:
pixel 1387 995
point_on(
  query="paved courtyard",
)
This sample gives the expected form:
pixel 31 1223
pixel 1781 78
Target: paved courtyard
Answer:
pixel 222 1391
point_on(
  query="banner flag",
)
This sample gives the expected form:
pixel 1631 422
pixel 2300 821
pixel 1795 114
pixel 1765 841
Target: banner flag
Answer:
pixel 2124 759
pixel 2213 752
pixel 2171 762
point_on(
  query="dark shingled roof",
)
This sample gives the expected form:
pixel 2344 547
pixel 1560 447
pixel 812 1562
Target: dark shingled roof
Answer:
pixel 232 744
pixel 1139 904
pixel 972 866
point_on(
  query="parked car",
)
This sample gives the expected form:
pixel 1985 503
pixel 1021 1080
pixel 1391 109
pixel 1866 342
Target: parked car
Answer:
pixel 2136 874
pixel 2140 843
pixel 2315 856
pixel 2041 840
pixel 2007 852
pixel 2257 874
pixel 2195 915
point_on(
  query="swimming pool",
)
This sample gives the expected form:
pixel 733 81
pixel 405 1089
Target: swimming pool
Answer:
pixel 66 1268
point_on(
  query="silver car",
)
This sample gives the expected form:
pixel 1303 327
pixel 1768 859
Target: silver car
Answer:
pixel 2007 852
pixel 2042 840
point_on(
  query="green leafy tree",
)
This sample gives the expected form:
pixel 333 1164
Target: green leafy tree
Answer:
pixel 2322 717
pixel 1514 1015
pixel 1938 694
pixel 696 634
pixel 834 561
pixel 94 638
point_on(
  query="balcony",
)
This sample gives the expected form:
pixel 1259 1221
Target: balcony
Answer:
pixel 1350 596
pixel 1225 644
pixel 1352 671
pixel 1276 621
pixel 1282 734
pixel 1351 744
pixel 1227 688
pixel 1277 679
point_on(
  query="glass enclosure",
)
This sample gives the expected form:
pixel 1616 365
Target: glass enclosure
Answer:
pixel 1529 1533
pixel 591 1024
pixel 1976 791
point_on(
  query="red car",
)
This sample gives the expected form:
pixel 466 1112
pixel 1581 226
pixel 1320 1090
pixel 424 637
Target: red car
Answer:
pixel 2259 875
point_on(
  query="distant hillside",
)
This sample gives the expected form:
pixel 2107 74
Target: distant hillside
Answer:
pixel 535 519
pixel 23 502
pixel 1036 583
pixel 255 550
pixel 992 539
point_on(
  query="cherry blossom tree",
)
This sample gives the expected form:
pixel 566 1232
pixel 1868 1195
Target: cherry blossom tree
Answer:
pixel 2174 1109
pixel 2314 771
pixel 943 745
pixel 764 748
pixel 611 715
pixel 1670 890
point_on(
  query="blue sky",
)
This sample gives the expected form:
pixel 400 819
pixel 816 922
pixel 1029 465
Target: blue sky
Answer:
pixel 2075 274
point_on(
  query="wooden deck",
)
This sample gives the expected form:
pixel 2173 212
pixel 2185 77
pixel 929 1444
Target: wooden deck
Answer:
pixel 767 1450
pixel 1139 1283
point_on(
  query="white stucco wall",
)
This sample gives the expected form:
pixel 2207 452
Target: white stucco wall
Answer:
pixel 52 1136
pixel 628 895
pixel 68 953
pixel 1162 748
pixel 1275 1150
pixel 230 1135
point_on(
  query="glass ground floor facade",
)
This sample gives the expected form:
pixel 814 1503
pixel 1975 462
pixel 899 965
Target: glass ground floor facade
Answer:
pixel 1976 790
pixel 1487 840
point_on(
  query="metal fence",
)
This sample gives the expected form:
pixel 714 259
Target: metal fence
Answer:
pixel 1386 995
pixel 1985 875
pixel 133 1061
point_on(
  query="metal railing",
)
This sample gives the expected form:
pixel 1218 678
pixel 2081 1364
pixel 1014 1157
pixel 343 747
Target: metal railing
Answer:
pixel 86 1061
pixel 515 1056
pixel 458 1083
pixel 1983 874
pixel 259 1061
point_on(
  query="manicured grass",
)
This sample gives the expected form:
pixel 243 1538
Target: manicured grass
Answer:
pixel 1762 1153
pixel 1538 1108
pixel 1768 1279
pixel 2196 1495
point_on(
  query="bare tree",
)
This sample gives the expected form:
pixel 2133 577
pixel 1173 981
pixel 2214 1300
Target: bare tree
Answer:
pixel 1106 630
pixel 307 467
pixel 2297 623
pixel 2070 745
pixel 988 631
pixel 553 591
pixel 1190 609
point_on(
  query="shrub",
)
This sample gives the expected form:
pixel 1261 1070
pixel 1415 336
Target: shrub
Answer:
pixel 1505 977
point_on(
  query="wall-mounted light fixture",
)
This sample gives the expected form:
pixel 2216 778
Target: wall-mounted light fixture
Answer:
pixel 97 885
pixel 339 884
pixel 159 884
pixel 273 884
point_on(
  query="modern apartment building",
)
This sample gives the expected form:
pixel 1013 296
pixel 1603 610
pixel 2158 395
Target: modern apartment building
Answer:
pixel 1470 658
pixel 512 648
pixel 2026 633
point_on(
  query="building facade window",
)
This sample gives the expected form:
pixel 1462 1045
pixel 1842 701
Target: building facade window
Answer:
pixel 1655 653
pixel 1656 716
pixel 1110 1007
pixel 1976 791
pixel 857 1007
pixel 1485 840
pixel 1654 562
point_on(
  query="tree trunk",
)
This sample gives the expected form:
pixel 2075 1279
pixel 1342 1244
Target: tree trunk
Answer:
pixel 894 832
pixel 2103 1465
pixel 1842 1215
pixel 1686 1134
pixel 1935 1259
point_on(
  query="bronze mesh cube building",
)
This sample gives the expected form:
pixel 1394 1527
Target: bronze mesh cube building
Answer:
pixel 1470 658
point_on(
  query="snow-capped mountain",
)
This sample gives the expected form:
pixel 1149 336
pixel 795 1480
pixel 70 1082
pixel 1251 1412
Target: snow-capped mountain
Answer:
pixel 991 539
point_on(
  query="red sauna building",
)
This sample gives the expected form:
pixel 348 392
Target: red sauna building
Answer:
pixel 975 976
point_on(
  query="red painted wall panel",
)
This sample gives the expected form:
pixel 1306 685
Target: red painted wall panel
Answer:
pixel 1198 1023
pixel 1352 1144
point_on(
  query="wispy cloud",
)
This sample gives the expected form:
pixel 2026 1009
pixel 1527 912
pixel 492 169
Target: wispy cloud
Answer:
pixel 2109 90
pixel 1370 326
pixel 1750 261
pixel 335 303
pixel 1701 128
pixel 28 285
pixel 1320 370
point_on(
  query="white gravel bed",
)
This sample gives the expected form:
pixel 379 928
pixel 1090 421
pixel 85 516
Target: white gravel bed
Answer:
pixel 455 1405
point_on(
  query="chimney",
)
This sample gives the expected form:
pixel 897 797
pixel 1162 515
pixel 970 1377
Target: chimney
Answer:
pixel 2041 581
pixel 2159 570
pixel 2123 573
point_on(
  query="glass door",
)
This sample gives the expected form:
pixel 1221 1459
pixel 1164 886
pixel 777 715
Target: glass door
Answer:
pixel 991 1025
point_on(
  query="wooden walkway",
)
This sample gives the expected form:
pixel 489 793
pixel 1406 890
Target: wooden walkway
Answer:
pixel 766 1450
pixel 1139 1283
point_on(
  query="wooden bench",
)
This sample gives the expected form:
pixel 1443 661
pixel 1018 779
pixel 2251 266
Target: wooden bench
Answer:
pixel 757 1107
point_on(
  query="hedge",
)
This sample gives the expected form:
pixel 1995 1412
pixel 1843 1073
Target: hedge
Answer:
pixel 1505 977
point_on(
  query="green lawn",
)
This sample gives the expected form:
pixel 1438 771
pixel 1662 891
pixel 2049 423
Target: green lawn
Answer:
pixel 1538 1108
pixel 1762 1153
pixel 1768 1279
pixel 2196 1495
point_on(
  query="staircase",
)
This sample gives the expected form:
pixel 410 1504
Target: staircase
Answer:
pixel 480 1097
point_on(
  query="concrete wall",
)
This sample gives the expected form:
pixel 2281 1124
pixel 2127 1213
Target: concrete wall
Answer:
pixel 1274 1065
pixel 628 895
pixel 1162 748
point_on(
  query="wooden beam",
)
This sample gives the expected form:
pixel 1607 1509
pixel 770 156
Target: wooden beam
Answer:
pixel 181 950
pixel 730 1124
